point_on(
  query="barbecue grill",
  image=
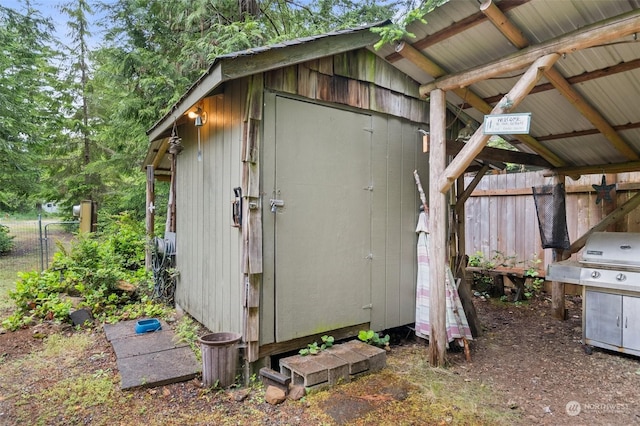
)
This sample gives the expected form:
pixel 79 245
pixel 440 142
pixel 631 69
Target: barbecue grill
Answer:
pixel 610 273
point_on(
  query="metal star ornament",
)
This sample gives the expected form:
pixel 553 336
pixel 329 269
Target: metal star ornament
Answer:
pixel 603 191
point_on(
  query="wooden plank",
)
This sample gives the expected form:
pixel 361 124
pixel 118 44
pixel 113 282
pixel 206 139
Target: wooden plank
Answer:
pixel 313 65
pixel 290 80
pixel 273 80
pixel 243 66
pixel 503 155
pixel 307 82
pixel 381 165
pixel 267 331
pixel 255 97
pixel 295 344
pixel 503 270
pixel 339 92
pixel 570 189
pixel 149 212
pixel 409 208
pixel 323 92
pixel 613 217
pixel 325 65
pixel 394 196
pixel 630 166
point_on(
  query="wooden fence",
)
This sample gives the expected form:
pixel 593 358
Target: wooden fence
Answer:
pixel 501 214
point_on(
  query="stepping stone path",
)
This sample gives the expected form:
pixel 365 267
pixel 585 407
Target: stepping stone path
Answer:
pixel 150 359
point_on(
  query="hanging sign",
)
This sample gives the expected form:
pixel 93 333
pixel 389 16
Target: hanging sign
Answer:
pixel 507 124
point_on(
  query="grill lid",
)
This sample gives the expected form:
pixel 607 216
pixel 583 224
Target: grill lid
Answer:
pixel 612 248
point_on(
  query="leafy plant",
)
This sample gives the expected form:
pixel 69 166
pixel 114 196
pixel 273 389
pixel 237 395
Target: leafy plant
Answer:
pixel 6 240
pixel 315 349
pixel 187 331
pixel 498 259
pixel 94 268
pixel 373 338
pixel 534 284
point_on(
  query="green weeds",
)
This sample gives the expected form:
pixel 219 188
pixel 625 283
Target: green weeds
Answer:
pixel 98 270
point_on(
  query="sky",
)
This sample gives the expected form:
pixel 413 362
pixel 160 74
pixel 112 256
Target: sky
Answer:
pixel 49 9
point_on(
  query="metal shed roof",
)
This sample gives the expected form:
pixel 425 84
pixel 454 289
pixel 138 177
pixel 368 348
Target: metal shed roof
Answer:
pixel 459 36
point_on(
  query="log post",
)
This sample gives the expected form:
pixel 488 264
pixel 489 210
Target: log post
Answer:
pixel 558 310
pixel 150 213
pixel 464 289
pixel 437 229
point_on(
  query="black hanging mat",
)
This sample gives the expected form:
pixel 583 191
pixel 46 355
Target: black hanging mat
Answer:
pixel 552 216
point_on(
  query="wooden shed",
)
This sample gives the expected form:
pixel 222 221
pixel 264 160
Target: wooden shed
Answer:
pixel 281 122
pixel 314 142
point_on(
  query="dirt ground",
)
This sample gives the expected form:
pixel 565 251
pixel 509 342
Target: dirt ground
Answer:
pixel 542 370
pixel 534 366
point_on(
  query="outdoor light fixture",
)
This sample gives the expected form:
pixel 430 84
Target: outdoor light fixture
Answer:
pixel 200 118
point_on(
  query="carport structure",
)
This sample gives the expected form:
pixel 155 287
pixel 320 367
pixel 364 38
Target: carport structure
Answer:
pixel 572 64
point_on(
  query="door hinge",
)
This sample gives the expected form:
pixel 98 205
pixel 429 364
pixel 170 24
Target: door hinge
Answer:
pixel 368 188
pixel 370 130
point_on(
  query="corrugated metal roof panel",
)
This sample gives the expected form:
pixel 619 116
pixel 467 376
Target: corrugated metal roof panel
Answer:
pixel 585 150
pixel 614 96
pixel 466 39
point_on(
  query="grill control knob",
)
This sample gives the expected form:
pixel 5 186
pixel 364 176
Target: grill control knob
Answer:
pixel 621 277
pixel 595 274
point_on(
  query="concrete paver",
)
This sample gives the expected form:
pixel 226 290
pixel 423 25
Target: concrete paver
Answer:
pixel 150 359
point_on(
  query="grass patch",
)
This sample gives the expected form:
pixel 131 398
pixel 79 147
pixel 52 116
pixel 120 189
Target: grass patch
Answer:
pixel 408 389
pixel 9 267
pixel 58 384
pixel 58 345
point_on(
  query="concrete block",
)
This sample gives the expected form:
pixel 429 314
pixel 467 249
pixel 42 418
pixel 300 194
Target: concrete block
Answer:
pixel 377 356
pixel 304 370
pixel 337 368
pixel 356 361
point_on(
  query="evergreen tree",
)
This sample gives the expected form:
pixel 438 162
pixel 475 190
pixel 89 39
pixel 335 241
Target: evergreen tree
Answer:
pixel 28 105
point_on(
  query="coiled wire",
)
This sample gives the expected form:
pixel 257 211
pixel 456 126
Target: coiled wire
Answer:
pixel 162 267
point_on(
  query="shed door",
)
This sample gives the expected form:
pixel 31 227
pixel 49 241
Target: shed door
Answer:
pixel 323 230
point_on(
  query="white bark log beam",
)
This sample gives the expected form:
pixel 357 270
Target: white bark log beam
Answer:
pixel 479 139
pixel 470 97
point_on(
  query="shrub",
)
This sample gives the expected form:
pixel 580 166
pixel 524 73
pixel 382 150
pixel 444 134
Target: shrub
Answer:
pixel 93 268
pixel 6 240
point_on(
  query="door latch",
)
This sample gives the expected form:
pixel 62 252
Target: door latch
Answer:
pixel 275 204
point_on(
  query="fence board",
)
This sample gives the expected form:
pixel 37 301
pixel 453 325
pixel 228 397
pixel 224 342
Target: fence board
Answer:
pixel 501 214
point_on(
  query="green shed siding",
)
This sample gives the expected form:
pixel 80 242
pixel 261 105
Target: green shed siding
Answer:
pixel 396 152
pixel 208 247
